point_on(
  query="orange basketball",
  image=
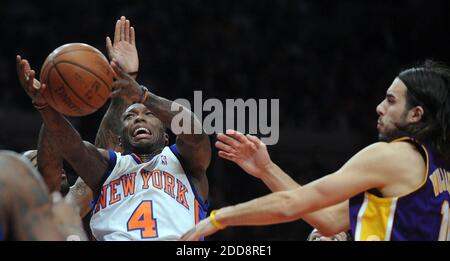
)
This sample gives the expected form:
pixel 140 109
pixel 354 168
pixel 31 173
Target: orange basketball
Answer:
pixel 78 78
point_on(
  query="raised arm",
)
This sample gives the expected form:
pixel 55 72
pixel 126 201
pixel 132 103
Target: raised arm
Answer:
pixel 361 173
pixel 109 130
pixel 50 163
pixel 26 211
pixel 89 162
pixel 194 148
pixel 123 51
pixel 250 153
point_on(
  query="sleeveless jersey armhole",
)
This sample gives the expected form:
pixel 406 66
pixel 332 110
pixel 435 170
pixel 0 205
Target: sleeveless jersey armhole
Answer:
pixel 204 205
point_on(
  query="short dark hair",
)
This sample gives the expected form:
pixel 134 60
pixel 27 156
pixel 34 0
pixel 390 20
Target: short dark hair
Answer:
pixel 428 86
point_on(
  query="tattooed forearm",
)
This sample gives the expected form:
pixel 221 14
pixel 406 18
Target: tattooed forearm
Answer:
pixel 49 162
pixel 86 160
pixel 39 219
pixel 111 125
pixel 32 212
pixel 26 208
pixel 25 201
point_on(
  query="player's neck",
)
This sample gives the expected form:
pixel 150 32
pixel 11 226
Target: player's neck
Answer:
pixel 148 156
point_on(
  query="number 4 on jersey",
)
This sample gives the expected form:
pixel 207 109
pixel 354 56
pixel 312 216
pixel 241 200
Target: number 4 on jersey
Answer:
pixel 142 219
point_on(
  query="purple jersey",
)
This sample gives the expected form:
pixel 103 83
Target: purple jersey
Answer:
pixel 422 214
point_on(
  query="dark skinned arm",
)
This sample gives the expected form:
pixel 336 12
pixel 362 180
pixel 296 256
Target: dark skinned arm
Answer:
pixel 123 50
pixel 89 162
pixel 25 207
pixel 194 148
pixel 107 137
pixel 111 126
pixel 50 164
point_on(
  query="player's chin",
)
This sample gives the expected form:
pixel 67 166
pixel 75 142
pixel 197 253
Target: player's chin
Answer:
pixel 142 142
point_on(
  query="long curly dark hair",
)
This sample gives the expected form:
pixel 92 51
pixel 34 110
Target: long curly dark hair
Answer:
pixel 429 87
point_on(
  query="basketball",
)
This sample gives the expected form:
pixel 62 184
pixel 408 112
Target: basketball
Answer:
pixel 78 79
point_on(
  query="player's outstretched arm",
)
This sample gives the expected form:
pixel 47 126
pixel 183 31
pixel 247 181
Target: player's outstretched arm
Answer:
pixel 361 173
pixel 89 162
pixel 251 154
pixel 26 210
pixel 50 164
pixel 123 50
pixel 194 148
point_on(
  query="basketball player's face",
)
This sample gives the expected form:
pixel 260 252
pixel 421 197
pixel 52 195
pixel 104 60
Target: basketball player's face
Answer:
pixel 143 132
pixel 392 112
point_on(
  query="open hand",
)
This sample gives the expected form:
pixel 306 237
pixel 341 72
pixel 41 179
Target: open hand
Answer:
pixel 32 87
pixel 126 88
pixel 249 152
pixel 123 50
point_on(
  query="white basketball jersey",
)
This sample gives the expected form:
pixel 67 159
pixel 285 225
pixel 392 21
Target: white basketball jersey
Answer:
pixel 154 200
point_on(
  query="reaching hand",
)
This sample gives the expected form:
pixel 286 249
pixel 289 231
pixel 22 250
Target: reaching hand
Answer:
pixel 126 88
pixel 124 48
pixel 202 229
pixel 247 151
pixel 32 87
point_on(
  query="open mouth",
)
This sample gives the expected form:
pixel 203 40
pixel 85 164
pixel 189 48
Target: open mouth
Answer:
pixel 379 124
pixel 141 133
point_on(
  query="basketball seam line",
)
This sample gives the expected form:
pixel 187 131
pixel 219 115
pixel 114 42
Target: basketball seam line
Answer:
pixel 76 94
pixel 82 67
pixel 48 82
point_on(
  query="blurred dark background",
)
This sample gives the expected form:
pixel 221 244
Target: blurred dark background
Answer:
pixel 328 62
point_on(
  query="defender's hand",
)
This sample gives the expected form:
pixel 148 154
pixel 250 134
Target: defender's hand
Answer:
pixel 32 87
pixel 126 88
pixel 249 152
pixel 202 229
pixel 123 50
